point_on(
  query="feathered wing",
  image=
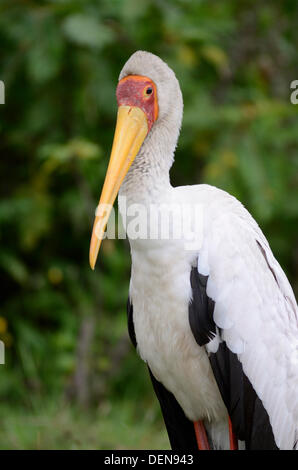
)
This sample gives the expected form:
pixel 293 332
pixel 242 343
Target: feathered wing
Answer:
pixel 247 413
pixel 255 315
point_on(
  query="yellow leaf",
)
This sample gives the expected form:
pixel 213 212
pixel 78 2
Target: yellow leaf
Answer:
pixel 213 170
pixel 229 158
pixel 3 325
pixel 55 275
pixel 187 56
pixel 215 56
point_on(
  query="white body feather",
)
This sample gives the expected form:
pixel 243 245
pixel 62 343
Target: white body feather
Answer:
pixel 255 309
pixel 254 303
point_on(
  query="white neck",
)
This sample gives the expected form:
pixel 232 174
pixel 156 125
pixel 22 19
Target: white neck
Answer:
pixel 148 176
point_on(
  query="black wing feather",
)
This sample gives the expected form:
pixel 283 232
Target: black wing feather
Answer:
pixel 248 415
pixel 180 429
pixel 131 328
pixel 200 310
pixel 249 418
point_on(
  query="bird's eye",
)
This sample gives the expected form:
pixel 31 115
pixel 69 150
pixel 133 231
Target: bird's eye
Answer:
pixel 148 91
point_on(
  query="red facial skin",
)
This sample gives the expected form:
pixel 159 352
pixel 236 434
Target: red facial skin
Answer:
pixel 131 91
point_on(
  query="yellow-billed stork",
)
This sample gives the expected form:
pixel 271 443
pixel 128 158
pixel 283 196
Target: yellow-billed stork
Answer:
pixel 216 322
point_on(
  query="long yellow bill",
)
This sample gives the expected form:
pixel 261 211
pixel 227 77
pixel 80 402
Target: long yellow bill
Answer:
pixel 131 130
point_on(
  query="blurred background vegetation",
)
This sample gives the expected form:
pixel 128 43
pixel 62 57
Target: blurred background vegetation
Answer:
pixel 71 378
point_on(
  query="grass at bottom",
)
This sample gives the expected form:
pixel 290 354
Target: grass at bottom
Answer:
pixel 58 425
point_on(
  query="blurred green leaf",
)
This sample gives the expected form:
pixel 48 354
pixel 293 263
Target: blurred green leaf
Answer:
pixel 14 267
pixel 87 31
pixel 60 62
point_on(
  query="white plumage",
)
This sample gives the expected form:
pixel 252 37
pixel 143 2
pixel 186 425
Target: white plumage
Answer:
pixel 255 307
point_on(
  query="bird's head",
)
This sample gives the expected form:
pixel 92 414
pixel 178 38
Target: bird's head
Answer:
pixel 149 102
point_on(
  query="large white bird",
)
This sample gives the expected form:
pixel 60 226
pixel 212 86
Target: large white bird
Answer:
pixel 214 317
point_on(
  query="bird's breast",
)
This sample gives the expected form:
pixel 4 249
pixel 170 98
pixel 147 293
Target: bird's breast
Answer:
pixel 160 291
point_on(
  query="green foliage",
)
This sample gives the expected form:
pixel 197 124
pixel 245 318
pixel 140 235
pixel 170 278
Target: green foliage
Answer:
pixel 64 326
pixel 57 426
